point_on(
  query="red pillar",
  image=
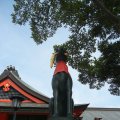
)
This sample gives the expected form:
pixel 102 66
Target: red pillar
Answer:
pixel 3 116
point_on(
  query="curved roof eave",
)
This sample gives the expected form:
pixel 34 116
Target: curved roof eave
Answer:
pixel 24 86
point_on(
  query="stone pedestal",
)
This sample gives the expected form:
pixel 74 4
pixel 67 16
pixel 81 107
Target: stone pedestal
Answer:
pixel 61 118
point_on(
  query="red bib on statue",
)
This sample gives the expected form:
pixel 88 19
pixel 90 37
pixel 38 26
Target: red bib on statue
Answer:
pixel 61 67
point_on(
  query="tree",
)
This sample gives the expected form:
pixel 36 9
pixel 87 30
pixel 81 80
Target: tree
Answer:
pixel 94 26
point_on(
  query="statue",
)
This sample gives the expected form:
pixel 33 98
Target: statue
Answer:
pixel 61 105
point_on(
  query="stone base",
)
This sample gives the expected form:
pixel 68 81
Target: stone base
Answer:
pixel 61 118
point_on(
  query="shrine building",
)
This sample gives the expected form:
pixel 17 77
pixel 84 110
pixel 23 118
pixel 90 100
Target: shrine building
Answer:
pixel 33 105
pixel 20 99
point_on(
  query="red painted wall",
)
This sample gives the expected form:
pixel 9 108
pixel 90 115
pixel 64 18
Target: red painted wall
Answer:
pixel 3 116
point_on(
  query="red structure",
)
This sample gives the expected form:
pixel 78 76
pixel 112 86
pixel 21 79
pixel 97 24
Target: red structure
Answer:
pixel 35 105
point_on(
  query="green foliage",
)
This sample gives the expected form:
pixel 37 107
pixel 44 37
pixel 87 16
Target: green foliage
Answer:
pixel 94 25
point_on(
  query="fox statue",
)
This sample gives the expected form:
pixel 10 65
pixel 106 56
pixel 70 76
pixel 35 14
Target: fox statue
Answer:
pixel 61 104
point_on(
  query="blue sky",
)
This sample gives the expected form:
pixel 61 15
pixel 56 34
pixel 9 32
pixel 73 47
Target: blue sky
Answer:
pixel 17 48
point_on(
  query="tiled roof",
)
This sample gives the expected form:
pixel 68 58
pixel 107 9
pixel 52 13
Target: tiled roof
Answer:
pixel 11 73
pixel 104 113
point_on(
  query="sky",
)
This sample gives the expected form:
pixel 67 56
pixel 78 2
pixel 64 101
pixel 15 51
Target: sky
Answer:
pixel 18 49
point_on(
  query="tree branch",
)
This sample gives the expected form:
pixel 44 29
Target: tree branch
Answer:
pixel 108 13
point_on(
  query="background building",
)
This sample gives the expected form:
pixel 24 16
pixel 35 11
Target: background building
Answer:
pixel 101 114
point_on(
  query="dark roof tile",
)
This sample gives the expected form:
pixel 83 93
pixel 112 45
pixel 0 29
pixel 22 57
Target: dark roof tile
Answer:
pixel 12 73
